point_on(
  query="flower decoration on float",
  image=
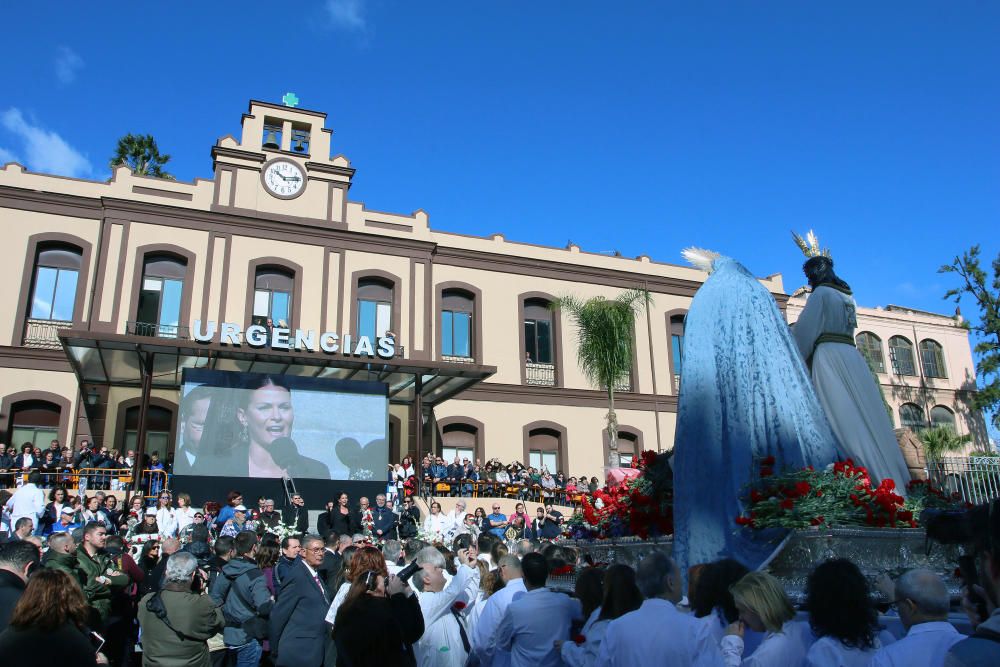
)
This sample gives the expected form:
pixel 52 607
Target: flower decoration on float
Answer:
pixel 842 494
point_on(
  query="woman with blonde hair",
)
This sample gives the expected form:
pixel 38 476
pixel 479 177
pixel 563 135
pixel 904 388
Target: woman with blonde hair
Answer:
pixel 764 606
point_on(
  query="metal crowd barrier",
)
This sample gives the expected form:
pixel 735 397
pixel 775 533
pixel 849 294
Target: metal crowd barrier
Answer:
pixel 976 479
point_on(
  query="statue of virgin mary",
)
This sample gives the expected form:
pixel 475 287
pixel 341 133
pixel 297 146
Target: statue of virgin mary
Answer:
pixel 745 395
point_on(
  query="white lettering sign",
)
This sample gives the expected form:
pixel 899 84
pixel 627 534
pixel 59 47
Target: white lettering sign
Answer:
pixel 280 338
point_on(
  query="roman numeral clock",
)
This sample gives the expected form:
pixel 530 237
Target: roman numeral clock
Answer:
pixel 283 178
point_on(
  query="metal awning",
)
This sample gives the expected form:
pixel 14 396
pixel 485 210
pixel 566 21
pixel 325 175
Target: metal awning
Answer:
pixel 122 361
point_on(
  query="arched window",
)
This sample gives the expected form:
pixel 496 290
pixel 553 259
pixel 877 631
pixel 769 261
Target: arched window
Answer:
pixel 57 274
pixel 901 354
pixel 677 349
pixel 628 449
pixel 932 357
pixel 274 287
pixel 375 299
pixel 912 417
pixel 942 416
pixel 35 423
pixel 459 440
pixel 870 347
pixel 160 296
pixel 159 422
pixel 457 327
pixel 544 449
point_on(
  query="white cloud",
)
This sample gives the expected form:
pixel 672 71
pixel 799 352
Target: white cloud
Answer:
pixel 45 150
pixel 68 62
pixel 347 14
pixel 6 156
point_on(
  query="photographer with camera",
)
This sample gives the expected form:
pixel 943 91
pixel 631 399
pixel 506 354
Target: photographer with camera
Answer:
pixel 177 621
pixel 445 642
pixel 979 527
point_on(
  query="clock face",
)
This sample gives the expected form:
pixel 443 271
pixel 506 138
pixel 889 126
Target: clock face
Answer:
pixel 284 179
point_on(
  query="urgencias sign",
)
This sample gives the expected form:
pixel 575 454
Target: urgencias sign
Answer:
pixel 279 338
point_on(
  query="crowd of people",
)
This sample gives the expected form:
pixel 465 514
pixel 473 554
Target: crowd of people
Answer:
pixel 467 478
pixel 97 467
pixel 380 584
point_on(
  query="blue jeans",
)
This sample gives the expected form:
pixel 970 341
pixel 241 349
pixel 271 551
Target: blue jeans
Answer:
pixel 249 654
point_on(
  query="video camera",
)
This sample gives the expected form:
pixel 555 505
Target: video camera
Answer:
pixel 973 530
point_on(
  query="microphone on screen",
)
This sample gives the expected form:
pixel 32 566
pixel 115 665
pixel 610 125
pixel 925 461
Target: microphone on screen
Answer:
pixel 284 452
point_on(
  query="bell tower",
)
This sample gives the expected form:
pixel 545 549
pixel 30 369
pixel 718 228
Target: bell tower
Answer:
pixel 281 167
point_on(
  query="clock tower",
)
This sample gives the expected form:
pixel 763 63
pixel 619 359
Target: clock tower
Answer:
pixel 281 168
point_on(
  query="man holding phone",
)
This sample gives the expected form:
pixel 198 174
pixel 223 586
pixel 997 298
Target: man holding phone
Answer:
pixel 445 642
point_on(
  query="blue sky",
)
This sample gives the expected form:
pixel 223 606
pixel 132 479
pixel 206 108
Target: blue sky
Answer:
pixel 632 126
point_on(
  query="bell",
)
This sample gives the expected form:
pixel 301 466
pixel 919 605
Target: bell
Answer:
pixel 271 141
pixel 298 147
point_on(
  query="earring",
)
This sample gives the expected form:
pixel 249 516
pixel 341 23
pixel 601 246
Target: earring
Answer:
pixel 244 433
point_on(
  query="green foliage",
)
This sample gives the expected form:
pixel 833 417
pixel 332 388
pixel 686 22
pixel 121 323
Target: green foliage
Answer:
pixel 141 155
pixel 941 440
pixel 985 292
pixel 604 344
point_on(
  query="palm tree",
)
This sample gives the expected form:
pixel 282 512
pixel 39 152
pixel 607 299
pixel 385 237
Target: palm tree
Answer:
pixel 940 440
pixel 604 346
pixel 140 153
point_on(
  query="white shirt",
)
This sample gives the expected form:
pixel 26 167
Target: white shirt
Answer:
pixel 27 501
pixel 532 622
pixel 184 517
pixel 658 634
pixel 925 645
pixel 437 524
pixel 831 652
pixel 484 638
pixel 585 655
pixel 166 521
pixel 441 644
pixel 788 647
pixel 338 599
pixel 456 520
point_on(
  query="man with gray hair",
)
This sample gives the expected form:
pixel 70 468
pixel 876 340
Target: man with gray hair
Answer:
pixel 456 518
pixel 657 633
pixel 485 634
pixel 923 603
pixel 178 621
pixel 445 642
pixel 392 550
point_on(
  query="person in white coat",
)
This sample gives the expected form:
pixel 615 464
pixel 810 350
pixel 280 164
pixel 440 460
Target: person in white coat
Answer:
pixel 485 634
pixel 445 642
pixel 28 501
pixel 824 333
pixel 437 526
pixel 166 517
pixel 842 616
pixel 657 633
pixel 764 607
pixel 923 603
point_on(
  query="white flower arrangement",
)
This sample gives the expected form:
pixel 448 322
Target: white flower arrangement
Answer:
pixel 282 530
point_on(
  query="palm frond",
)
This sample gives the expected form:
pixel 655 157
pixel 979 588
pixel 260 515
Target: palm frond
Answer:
pixel 700 258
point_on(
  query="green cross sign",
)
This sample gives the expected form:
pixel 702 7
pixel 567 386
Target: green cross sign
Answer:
pixel 290 100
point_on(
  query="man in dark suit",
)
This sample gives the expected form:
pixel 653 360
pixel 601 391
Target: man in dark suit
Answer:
pixel 384 519
pixel 16 561
pixel 324 524
pixel 297 515
pixel 297 625
pixel 329 568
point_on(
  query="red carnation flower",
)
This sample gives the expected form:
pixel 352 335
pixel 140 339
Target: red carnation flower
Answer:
pixel 766 471
pixel 803 488
pixel 579 639
pixel 767 461
pixel 562 571
pixel 819 493
pixel 815 521
pixel 787 504
pixel 458 606
pixel 756 496
pixel 744 521
pixel 905 515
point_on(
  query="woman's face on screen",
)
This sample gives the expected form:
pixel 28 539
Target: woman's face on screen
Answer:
pixel 268 415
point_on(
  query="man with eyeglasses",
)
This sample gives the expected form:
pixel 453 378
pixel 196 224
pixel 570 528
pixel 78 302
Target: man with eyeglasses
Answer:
pixel 193 415
pixel 297 627
pixel 497 521
pixel 922 601
pixel 297 515
pixel 409 519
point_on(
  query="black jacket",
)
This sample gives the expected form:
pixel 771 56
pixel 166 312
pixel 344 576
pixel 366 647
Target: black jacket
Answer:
pixel 409 522
pixel 330 568
pixel 379 632
pixel 324 524
pixel 11 588
pixel 297 517
pixel 344 524
pixel 33 647
pixel 385 520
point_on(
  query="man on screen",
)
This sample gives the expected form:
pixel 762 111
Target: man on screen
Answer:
pixel 193 413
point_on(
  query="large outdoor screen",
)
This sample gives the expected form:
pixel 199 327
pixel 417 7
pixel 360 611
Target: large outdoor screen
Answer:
pixel 271 426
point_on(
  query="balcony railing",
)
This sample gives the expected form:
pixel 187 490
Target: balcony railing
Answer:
pixel 975 478
pixel 542 375
pixel 44 334
pixel 157 330
pixel 624 385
